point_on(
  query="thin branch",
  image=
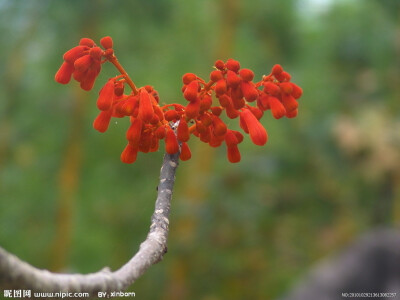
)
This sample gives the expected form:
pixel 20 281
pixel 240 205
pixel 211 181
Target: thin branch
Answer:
pixel 14 273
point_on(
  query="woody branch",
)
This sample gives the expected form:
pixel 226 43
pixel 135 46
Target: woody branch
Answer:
pixel 15 273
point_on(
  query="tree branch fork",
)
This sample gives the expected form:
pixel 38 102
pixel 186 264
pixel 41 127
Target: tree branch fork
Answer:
pixel 15 273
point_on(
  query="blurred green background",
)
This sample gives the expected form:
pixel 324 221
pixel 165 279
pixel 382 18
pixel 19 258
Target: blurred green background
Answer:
pixel 238 231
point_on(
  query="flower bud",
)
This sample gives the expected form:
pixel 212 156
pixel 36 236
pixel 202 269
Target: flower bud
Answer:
pixel 249 91
pixel 284 76
pixel 257 132
pixel 200 127
pixel 106 96
pixel 83 63
pixel 289 102
pixel 185 152
pixel 74 53
pixel 145 106
pixel 205 103
pixel 183 131
pixel 128 106
pixel 258 113
pixel 102 121
pixel 238 103
pixel 233 154
pixel 216 75
pixel 96 53
pixel 188 78
pixel 158 112
pixel 89 78
pixel 106 42
pixel 232 65
pixel 296 91
pixel 205 136
pixel 291 114
pixel 129 154
pixel 239 136
pixel 231 139
pixel 171 142
pixel 246 74
pixel 219 64
pixel 155 144
pixel 231 112
pixel 190 93
pixel 134 132
pixel 262 101
pixel 277 108
pixel 87 42
pixel 220 87
pixel 224 100
pixel 219 126
pixel 286 87
pixel 216 110
pixel 216 141
pixel 119 88
pixel 160 132
pixel 64 73
pixel 271 88
pixel 276 69
pixel 193 109
pixel 171 115
pixel 232 79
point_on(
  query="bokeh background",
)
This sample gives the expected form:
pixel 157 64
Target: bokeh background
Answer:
pixel 238 231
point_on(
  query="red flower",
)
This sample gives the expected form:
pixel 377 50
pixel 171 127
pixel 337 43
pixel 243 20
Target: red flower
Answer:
pixel 220 87
pixel 73 54
pixel 102 121
pixel 188 78
pixel 232 79
pixel 249 90
pixel 106 95
pixel 289 102
pixel 193 109
pixel 277 108
pixel 277 69
pixel 134 132
pixel 231 138
pixel 246 74
pixel 146 110
pixel 191 89
pixel 219 126
pixel 183 131
pixel 84 62
pixel 106 42
pixel 271 88
pixel 216 75
pixel 232 65
pixel 230 89
pixel 257 132
pixel 64 74
pixel 233 154
pixel 171 142
pixel 129 154
pixel 185 152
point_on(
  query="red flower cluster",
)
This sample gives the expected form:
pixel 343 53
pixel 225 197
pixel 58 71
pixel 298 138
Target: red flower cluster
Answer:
pixel 83 62
pixel 230 89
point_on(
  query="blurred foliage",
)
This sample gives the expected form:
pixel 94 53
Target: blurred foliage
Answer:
pixel 238 231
